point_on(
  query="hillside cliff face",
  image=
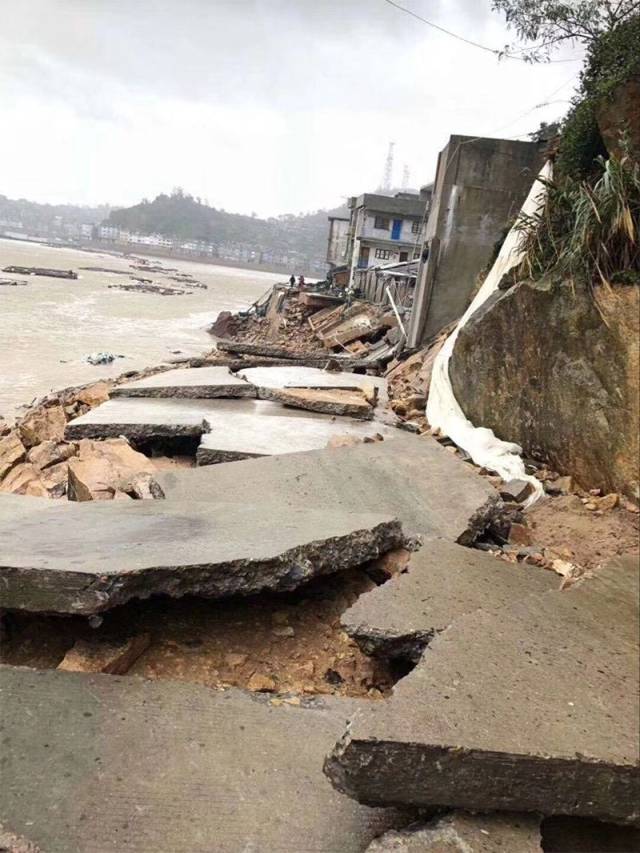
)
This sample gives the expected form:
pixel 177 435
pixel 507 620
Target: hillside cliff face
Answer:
pixel 554 368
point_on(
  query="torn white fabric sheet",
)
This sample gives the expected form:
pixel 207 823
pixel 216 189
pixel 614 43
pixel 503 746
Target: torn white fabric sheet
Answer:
pixel 443 410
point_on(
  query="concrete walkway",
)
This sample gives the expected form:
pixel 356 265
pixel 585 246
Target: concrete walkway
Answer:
pixel 95 555
pixel 532 707
pixel 195 382
pixel 443 582
pixel 230 428
pixel 143 419
pixel 108 764
pixel 239 429
pixel 414 479
pixel 269 378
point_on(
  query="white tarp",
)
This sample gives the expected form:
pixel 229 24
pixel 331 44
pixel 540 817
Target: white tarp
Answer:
pixel 443 410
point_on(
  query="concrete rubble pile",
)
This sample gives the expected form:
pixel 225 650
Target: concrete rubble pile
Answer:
pixel 294 319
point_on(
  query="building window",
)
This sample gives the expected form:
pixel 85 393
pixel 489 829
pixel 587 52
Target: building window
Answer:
pixel 383 254
pixel 381 223
pixel 404 256
pixel 416 226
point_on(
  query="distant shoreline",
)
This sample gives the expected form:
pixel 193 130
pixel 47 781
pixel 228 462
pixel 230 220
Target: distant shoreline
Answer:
pixel 96 246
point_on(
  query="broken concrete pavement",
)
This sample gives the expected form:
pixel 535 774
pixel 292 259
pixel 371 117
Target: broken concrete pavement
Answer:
pixel 96 555
pixel 196 382
pixel 414 479
pixel 442 582
pixel 142 765
pixel 330 401
pixel 500 713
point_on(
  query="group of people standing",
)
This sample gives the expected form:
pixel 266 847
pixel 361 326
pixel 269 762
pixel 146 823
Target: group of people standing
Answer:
pixel 292 281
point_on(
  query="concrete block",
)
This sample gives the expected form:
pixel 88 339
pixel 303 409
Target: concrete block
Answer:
pixel 532 707
pixel 122 765
pixel 346 402
pixel 139 419
pixel 442 582
pixel 196 382
pixel 95 555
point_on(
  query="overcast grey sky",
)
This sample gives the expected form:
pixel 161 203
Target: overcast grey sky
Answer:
pixel 271 106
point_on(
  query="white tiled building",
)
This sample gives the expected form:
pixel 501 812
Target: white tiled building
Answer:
pixel 386 229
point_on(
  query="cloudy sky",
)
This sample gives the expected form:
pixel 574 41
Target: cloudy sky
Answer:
pixel 271 106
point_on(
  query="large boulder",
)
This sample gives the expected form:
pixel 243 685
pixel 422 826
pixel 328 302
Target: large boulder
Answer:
pixel 12 451
pixel 24 479
pixel 554 367
pixel 103 468
pixel 51 453
pixel 45 423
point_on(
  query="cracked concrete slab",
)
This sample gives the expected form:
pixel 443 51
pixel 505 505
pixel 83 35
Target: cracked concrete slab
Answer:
pixel 348 402
pixel 122 765
pixel 140 419
pixel 240 429
pixel 273 378
pixel 531 707
pixel 195 382
pixel 443 581
pixel 460 832
pixel 274 351
pixel 411 478
pixel 100 554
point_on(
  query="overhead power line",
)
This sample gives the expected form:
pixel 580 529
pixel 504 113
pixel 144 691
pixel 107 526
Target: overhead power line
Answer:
pixel 501 54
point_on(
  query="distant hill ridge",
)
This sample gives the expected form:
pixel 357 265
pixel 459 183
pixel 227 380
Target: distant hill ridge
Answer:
pixel 181 216
pixel 184 217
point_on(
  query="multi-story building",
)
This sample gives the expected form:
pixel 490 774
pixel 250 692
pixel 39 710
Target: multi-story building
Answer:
pixel 385 229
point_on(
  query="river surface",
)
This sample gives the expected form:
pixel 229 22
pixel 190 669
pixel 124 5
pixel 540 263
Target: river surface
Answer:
pixel 49 326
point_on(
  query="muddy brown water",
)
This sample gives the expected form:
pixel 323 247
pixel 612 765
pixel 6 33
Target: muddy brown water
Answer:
pixel 51 325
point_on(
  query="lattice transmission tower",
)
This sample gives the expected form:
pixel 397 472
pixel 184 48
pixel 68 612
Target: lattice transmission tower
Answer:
pixel 387 177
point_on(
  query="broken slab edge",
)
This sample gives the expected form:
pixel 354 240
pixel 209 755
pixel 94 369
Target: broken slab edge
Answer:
pixel 84 593
pixel 388 773
pixel 134 432
pixel 350 410
pixel 209 456
pixel 481 519
pixel 195 392
pixel 389 644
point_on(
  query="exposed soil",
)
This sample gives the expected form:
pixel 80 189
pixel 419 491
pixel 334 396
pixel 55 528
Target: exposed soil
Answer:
pixel 295 640
pixel 581 536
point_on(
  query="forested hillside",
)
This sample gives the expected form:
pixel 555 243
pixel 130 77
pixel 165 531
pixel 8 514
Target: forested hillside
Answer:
pixel 184 217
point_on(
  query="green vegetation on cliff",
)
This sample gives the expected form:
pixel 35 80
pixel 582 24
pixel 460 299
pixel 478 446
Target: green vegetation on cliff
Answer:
pixel 612 60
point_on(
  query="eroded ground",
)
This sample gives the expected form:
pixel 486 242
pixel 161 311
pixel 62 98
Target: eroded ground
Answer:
pixel 289 643
pixel 584 537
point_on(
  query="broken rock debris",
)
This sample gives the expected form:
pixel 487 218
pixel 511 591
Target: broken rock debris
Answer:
pixel 460 832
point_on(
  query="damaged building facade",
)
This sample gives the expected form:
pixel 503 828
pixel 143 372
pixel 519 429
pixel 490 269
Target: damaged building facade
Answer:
pixel 385 229
pixel 479 188
pixel 428 248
